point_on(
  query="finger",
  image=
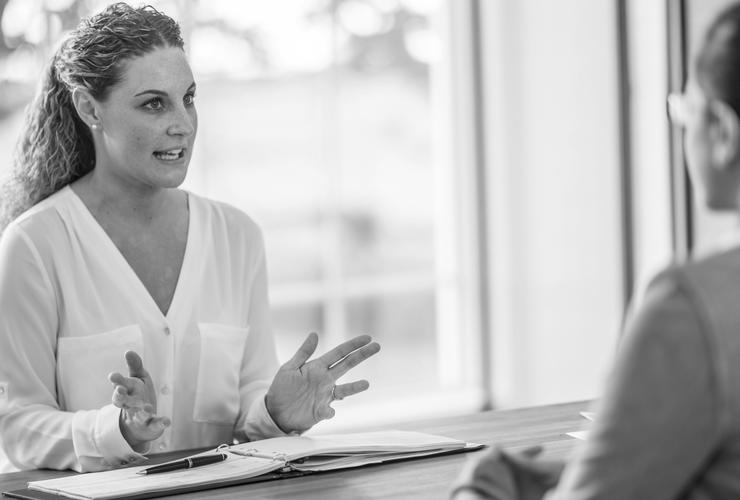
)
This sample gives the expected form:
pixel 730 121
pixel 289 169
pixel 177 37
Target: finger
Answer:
pixel 353 359
pixel 127 382
pixel 120 397
pixel 116 378
pixel 342 391
pixel 135 365
pixel 343 349
pixel 326 412
pixel 304 352
pixel 142 416
pixel 522 458
pixel 122 400
pixel 158 424
pixel 545 471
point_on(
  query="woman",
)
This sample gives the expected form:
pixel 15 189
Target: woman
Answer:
pixel 669 424
pixel 104 255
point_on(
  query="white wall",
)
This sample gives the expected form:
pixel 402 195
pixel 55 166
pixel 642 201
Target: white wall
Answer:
pixel 648 51
pixel 553 172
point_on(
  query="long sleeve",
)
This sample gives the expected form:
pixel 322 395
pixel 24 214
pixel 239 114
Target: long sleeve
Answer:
pixel 660 419
pixel 34 431
pixel 260 360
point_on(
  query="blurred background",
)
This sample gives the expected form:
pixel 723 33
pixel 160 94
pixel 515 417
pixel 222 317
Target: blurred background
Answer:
pixel 481 185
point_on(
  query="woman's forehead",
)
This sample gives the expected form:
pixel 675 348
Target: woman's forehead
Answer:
pixel 162 69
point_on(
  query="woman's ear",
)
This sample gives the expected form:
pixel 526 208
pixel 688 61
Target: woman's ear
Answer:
pixel 725 133
pixel 87 108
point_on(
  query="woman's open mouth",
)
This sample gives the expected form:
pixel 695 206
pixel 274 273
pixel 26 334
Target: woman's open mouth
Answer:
pixel 170 155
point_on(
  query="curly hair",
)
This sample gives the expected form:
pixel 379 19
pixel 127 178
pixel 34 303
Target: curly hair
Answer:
pixel 56 147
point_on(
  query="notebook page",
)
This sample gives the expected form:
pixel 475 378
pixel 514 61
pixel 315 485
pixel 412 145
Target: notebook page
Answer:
pixel 125 482
pixel 292 447
pixel 322 463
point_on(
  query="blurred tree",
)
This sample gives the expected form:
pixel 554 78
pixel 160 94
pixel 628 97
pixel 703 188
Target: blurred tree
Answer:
pixel 377 34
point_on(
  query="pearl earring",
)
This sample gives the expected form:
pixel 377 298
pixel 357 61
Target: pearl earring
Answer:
pixel 94 126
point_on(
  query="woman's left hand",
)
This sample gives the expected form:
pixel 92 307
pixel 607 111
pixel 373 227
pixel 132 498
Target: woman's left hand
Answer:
pixel 302 391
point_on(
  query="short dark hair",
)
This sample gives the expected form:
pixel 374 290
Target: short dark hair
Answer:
pixel 718 62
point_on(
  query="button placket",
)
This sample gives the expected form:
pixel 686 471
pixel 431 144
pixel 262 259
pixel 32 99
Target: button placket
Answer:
pixel 165 400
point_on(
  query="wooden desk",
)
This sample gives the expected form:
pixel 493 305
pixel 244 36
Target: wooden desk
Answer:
pixel 427 478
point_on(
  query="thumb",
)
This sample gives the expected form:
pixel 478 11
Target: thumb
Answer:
pixel 326 413
pixel 135 365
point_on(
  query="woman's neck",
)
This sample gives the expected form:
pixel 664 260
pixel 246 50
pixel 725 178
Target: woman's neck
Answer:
pixel 136 204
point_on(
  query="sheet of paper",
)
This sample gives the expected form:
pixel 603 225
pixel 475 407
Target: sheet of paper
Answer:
pixel 122 482
pixel 579 434
pixel 293 447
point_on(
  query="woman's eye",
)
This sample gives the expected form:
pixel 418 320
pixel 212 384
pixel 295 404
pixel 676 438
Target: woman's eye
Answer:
pixel 189 99
pixel 154 104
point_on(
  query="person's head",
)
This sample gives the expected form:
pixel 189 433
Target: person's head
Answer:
pixel 710 113
pixel 71 121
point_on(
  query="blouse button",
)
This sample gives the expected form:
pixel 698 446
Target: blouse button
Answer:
pixel 166 330
pixel 165 389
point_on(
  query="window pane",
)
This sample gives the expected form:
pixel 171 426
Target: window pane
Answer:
pixel 330 123
pixel 405 326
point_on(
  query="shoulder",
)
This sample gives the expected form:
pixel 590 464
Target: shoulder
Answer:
pixel 41 223
pixel 223 219
pixel 701 278
pixel 692 305
pixel 668 299
pixel 671 315
pixel 709 285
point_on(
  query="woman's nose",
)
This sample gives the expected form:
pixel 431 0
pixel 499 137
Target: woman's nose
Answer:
pixel 182 124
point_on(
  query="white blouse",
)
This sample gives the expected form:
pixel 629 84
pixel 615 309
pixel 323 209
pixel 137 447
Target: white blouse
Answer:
pixel 70 306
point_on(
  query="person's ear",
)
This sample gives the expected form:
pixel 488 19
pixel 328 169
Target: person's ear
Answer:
pixel 87 108
pixel 725 131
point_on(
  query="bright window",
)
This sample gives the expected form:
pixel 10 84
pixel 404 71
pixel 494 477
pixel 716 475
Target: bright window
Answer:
pixel 331 123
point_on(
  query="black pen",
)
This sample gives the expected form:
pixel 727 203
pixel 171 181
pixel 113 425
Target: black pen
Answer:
pixel 185 463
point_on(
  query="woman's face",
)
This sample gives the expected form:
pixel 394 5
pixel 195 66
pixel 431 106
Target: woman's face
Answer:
pixel 692 111
pixel 147 123
pixel 696 138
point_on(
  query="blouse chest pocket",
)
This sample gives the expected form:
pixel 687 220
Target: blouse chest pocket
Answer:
pixel 219 367
pixel 83 365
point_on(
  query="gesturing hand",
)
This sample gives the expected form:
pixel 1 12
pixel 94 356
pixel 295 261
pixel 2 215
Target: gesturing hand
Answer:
pixel 302 390
pixel 136 396
pixel 504 475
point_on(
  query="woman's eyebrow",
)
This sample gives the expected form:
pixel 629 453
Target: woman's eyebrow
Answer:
pixel 160 92
pixel 152 91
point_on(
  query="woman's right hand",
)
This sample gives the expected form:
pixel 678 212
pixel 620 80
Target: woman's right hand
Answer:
pixel 504 475
pixel 137 398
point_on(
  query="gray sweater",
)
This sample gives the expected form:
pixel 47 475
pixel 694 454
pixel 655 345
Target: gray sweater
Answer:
pixel 668 426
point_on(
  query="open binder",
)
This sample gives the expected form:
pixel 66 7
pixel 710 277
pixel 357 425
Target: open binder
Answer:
pixel 250 462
